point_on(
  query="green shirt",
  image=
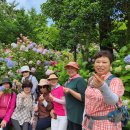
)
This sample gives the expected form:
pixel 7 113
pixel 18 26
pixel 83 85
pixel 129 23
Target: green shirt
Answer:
pixel 75 107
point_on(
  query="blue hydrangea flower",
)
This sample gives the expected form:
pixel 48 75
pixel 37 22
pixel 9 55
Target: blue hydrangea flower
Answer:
pixel 127 59
pixel 10 63
pixel 6 59
pixel 1 59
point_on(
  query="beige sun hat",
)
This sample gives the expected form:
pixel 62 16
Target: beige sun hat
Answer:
pixel 72 64
pixel 52 76
pixel 43 82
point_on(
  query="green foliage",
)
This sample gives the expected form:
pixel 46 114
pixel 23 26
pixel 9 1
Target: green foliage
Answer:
pixel 121 67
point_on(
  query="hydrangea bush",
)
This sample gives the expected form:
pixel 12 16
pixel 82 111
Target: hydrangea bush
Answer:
pixel 26 52
pixel 121 68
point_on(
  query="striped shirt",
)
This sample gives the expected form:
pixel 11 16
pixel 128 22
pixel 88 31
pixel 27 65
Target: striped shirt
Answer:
pixel 95 105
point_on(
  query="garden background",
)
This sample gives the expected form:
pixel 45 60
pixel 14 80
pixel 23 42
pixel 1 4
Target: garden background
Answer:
pixel 79 29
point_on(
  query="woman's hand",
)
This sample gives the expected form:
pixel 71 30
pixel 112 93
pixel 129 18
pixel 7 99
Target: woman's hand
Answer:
pixel 51 97
pixel 22 95
pixel 41 98
pixel 3 124
pixel 67 90
pixel 52 114
pixel 36 108
pixel 97 81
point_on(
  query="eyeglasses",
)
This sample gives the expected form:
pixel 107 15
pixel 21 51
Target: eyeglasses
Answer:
pixel 25 72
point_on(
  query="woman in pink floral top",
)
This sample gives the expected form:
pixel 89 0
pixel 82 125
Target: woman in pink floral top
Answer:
pixel 100 97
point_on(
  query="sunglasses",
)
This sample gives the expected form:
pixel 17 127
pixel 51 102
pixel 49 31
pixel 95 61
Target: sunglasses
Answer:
pixel 25 72
pixel 42 87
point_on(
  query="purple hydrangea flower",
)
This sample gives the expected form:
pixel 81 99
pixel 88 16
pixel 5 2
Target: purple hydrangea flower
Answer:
pixel 127 59
pixel 44 51
pixel 10 63
pixel 35 49
pixel 30 46
pixel 33 69
pixel 38 62
pixel 34 44
pixel 39 50
pixel 46 63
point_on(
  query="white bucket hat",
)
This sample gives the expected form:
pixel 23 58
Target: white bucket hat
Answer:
pixel 25 68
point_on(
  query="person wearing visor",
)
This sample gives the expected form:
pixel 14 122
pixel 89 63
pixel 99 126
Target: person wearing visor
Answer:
pixel 59 121
pixel 74 94
pixel 27 76
pixel 44 105
pixel 23 112
pixel 7 103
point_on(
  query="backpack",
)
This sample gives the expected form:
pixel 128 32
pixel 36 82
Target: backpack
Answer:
pixel 120 113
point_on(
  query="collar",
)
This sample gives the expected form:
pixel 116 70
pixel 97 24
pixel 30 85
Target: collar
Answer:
pixel 107 75
pixel 57 86
pixel 75 76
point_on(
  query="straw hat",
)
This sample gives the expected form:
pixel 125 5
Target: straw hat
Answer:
pixel 43 82
pixel 25 68
pixel 72 64
pixel 52 76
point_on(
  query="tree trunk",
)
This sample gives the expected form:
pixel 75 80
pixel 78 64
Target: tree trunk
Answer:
pixel 104 30
pixel 75 53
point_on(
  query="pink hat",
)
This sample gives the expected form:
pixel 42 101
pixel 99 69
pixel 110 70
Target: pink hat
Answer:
pixel 72 64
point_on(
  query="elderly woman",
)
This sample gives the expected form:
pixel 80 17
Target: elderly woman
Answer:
pixel 44 106
pixel 25 70
pixel 104 91
pixel 59 122
pixel 75 91
pixel 7 103
pixel 24 105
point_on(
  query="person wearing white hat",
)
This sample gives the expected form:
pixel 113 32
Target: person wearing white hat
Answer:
pixel 25 70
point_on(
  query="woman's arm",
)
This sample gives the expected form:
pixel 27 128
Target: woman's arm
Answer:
pixel 10 108
pixel 60 101
pixel 80 93
pixel 109 97
pixel 73 93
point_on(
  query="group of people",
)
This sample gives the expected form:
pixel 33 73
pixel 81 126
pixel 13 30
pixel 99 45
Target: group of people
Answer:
pixel 76 105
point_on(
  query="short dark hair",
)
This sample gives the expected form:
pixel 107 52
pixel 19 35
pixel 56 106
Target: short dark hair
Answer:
pixel 104 53
pixel 27 83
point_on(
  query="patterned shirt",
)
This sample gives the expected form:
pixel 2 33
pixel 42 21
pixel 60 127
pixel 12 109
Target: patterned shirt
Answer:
pixel 23 110
pixel 95 105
